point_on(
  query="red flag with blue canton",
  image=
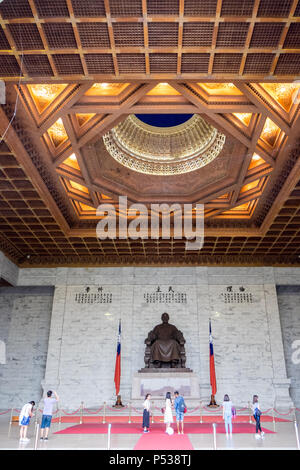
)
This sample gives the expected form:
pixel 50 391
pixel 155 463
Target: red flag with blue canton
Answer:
pixel 213 381
pixel 118 362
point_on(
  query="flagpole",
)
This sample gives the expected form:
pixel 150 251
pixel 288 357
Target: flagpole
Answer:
pixel 212 367
pixel 117 377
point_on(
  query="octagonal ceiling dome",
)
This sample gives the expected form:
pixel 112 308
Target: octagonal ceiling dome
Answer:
pixel 164 150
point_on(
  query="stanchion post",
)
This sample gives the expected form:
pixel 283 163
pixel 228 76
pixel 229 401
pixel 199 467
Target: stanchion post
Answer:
pixel 36 416
pixel 129 418
pixel 104 412
pixel 10 421
pixel 59 418
pixel 200 411
pixel 81 412
pixel 152 417
pixel 273 416
pixel 297 434
pixel 108 436
pixel 250 412
pixel 37 427
pixel 215 436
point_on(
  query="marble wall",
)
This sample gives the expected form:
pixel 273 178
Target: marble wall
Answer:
pixel 25 315
pixel 289 308
pixel 8 270
pixel 242 305
pixel 79 345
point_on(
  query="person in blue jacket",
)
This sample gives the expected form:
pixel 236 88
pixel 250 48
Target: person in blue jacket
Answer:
pixel 179 406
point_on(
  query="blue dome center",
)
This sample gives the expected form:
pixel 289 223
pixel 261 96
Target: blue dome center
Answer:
pixel 164 120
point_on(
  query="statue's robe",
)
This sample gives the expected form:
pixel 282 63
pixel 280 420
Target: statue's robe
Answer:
pixel 165 346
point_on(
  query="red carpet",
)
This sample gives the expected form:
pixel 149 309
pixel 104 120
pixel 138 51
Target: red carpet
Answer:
pixel 163 442
pixel 134 428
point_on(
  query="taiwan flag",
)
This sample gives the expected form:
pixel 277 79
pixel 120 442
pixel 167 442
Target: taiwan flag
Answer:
pixel 213 381
pixel 118 362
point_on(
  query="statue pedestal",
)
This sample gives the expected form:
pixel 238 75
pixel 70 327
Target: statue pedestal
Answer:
pixel 160 381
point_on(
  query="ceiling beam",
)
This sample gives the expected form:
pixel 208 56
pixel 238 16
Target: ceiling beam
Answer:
pixel 21 155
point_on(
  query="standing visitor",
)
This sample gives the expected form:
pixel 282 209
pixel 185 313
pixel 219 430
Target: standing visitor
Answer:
pixel 179 406
pixel 227 414
pixel 168 416
pixel 24 420
pixel 146 413
pixel 256 414
pixel 47 414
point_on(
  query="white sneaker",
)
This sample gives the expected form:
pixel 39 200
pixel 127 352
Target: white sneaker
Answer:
pixel 25 439
pixel 262 434
pixel 257 436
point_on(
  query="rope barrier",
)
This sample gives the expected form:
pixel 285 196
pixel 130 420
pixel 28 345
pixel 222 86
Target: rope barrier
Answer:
pixel 284 414
pixel 117 409
pixel 267 411
pixel 140 411
pixel 41 411
pixel 189 411
pixel 72 413
pixel 211 411
pixel 156 408
pixel 193 411
pixel 91 412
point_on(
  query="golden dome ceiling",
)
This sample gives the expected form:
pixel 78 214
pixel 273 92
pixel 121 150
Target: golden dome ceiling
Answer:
pixel 164 150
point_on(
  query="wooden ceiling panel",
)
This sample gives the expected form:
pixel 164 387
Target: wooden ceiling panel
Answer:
pixel 116 38
pixel 80 68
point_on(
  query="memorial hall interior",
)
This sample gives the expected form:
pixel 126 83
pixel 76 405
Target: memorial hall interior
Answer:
pixel 127 104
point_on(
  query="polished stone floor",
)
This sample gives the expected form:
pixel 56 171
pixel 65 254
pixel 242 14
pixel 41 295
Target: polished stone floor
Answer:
pixel 284 438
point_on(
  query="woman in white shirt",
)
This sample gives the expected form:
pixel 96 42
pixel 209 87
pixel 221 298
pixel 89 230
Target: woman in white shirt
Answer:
pixel 168 415
pixel 227 414
pixel 146 413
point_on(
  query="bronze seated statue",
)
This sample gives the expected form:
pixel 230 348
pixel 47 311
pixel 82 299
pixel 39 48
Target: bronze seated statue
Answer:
pixel 165 346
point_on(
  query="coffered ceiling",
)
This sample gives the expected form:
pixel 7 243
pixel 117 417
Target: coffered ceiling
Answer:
pixel 83 39
pixel 75 70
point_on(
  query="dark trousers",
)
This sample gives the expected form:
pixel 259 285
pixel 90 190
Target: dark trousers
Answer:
pixel 257 419
pixel 146 419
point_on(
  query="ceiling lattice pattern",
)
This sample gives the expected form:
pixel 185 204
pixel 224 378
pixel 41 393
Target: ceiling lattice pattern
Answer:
pixel 28 228
pixel 80 68
pixel 51 184
pixel 116 38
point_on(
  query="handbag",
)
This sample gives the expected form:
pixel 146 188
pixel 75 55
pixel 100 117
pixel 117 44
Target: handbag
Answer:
pixel 185 409
pixel 257 412
pixel 163 411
